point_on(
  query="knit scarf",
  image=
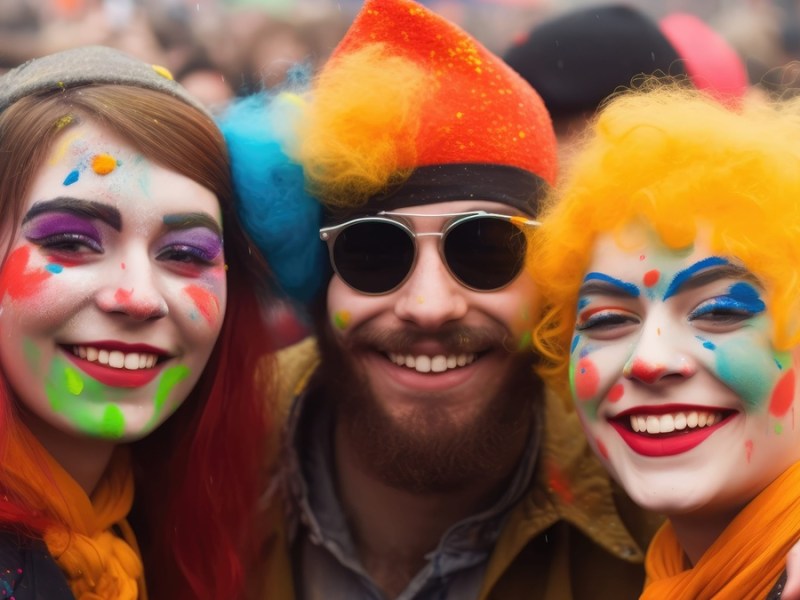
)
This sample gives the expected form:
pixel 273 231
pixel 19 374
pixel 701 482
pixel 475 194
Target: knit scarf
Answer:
pixel 743 563
pixel 98 564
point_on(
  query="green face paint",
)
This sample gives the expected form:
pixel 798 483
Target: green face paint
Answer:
pixel 341 319
pixel 97 409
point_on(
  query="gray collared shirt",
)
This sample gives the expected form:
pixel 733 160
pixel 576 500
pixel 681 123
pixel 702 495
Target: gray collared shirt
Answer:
pixel 326 563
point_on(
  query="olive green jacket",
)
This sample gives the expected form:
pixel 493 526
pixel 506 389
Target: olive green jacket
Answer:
pixel 573 535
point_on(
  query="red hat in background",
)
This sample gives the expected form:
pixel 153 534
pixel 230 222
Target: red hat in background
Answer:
pixel 712 64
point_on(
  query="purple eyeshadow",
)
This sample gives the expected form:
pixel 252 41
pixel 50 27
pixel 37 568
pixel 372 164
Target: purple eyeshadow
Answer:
pixel 48 225
pixel 205 242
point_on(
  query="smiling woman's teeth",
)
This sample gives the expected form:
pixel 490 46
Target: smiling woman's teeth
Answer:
pixel 432 364
pixel 116 359
pixel 674 422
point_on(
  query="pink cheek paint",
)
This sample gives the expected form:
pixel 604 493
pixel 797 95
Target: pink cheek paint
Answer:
pixel 206 302
pixel 615 393
pixel 782 395
pixel 586 379
pixel 748 449
pixel 18 282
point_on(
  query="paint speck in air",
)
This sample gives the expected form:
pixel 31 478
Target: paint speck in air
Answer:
pixel 72 177
pixel 103 164
pixel 54 268
pixel 341 318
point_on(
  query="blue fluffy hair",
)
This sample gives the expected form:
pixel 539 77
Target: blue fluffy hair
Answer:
pixel 282 219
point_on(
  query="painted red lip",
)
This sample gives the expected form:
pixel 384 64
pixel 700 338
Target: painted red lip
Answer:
pixel 112 377
pixel 668 444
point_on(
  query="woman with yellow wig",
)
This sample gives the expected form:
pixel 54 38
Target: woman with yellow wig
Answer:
pixel 671 262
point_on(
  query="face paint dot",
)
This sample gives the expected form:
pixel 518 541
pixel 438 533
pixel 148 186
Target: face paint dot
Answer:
pixel 748 449
pixel 72 177
pixel 103 164
pixel 113 424
pixel 122 266
pixel 641 257
pixel 651 278
pixel 778 428
pixel 658 330
pixel 341 319
pixel 782 395
pixel 420 300
pixel 524 341
pixel 601 448
pixel 586 380
pixel 54 268
pixel 74 381
pixel 123 296
pixel 709 345
pixel 615 393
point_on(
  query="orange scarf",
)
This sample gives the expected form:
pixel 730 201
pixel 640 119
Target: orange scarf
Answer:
pixel 743 563
pixel 98 564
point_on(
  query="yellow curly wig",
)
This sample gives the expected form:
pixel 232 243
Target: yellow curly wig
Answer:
pixel 675 159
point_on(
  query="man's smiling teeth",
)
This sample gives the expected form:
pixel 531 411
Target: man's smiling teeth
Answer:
pixel 432 364
pixel 674 422
pixel 116 359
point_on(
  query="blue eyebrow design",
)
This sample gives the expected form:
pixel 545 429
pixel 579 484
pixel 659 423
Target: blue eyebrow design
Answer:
pixel 628 289
pixel 683 276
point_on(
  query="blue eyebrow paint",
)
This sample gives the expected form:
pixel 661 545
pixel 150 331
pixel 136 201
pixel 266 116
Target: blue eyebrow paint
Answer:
pixel 682 276
pixel 628 288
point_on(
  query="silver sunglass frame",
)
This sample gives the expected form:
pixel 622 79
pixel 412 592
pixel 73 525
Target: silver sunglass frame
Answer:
pixel 330 234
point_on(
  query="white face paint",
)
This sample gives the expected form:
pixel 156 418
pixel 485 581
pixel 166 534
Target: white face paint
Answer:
pixel 674 374
pixel 114 290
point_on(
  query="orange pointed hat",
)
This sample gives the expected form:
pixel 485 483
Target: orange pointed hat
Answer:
pixel 412 110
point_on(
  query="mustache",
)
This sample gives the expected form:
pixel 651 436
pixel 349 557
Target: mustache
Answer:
pixel 453 337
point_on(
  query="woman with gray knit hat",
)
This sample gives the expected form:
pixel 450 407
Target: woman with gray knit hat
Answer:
pixel 122 313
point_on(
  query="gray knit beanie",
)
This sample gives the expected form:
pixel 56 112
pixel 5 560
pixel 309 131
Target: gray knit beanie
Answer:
pixel 86 66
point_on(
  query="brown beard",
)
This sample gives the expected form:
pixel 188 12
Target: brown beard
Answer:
pixel 427 451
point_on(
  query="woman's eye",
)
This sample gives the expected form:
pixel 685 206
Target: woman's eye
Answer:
pixel 720 314
pixel 69 243
pixel 185 254
pixel 605 321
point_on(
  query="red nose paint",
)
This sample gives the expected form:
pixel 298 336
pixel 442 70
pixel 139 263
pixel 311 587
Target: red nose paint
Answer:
pixel 123 296
pixel 646 373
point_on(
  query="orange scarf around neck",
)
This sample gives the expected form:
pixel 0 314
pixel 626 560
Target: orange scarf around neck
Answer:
pixel 743 563
pixel 98 564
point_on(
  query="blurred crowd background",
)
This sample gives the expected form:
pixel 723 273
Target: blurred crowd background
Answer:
pixel 223 48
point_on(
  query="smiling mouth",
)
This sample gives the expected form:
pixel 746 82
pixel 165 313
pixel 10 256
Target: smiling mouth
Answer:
pixel 438 363
pixel 663 431
pixel 116 359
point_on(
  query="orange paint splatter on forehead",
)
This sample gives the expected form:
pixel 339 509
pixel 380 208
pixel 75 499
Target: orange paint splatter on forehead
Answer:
pixel 103 164
pixel 206 302
pixel 15 280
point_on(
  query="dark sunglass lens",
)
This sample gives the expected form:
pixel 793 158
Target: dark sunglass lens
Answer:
pixel 485 253
pixel 372 256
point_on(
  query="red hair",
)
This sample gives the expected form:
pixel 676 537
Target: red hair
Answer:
pixel 199 475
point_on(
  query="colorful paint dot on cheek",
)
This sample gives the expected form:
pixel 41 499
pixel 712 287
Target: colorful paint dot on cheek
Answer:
pixel 783 395
pixel 586 379
pixel 103 164
pixel 341 319
pixel 72 177
pixel 651 278
pixel 206 303
pixel 17 282
pixel 642 257
pixel 73 380
pixel 778 428
pixel 615 393
pixel 54 268
pixel 171 377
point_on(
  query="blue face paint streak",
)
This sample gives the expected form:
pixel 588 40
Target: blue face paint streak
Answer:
pixel 583 303
pixel 54 268
pixel 575 341
pixel 681 277
pixel 629 288
pixel 72 177
pixel 706 344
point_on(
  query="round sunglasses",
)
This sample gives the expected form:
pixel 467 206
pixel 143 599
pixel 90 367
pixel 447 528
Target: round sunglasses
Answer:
pixel 375 255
